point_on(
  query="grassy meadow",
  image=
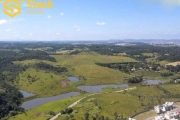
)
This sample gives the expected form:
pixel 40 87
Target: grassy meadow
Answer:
pixel 43 83
pixel 81 66
pixel 126 103
pixel 42 112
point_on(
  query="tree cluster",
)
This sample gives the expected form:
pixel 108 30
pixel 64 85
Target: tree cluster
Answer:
pixel 48 67
pixel 10 100
pixel 136 79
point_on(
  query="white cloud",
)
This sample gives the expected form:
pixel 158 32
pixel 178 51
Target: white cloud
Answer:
pixel 58 33
pixel 61 14
pixel 78 28
pixel 8 30
pixel 49 31
pixel 49 16
pixel 101 23
pixel 3 21
pixel 15 20
pixel 30 34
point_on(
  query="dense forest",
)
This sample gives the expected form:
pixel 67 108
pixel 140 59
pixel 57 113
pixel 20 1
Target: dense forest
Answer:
pixel 48 67
pixel 25 50
pixel 129 67
pixel 10 99
pixel 163 53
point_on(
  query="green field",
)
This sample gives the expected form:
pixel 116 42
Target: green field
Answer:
pixel 81 66
pixel 41 112
pixel 43 83
pixel 153 60
pixel 126 103
pixel 148 54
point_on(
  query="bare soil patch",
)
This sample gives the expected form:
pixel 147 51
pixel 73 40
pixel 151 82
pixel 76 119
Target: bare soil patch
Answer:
pixel 37 114
pixel 64 83
pixel 1 90
pixel 174 63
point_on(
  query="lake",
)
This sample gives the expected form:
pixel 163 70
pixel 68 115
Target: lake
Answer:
pixel 73 79
pixel 153 82
pixel 26 94
pixel 39 101
pixel 98 88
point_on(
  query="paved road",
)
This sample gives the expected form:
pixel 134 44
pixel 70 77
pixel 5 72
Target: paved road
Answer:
pixel 75 103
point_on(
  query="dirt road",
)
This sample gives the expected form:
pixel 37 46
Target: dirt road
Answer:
pixel 76 102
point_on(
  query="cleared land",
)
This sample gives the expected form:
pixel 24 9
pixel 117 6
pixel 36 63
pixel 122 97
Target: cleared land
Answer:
pixel 153 60
pixel 145 115
pixel 174 63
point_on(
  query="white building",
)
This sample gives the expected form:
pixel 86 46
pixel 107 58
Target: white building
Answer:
pixel 158 109
pixel 159 118
pixel 163 108
pixel 172 115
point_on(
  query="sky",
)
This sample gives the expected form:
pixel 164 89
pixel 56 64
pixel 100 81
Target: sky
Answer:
pixel 94 20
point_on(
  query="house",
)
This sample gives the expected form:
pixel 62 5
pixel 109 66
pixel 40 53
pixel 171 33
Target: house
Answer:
pixel 163 108
pixel 158 109
pixel 177 81
pixel 172 115
pixel 159 118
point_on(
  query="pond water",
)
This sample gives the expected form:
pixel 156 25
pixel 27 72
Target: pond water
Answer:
pixel 26 94
pixel 154 82
pixel 73 79
pixel 98 88
pixel 39 101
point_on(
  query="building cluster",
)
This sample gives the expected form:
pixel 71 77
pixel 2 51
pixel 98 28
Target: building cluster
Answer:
pixel 168 116
pixel 166 110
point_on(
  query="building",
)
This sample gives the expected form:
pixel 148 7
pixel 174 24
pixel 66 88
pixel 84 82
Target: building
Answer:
pixel 177 81
pixel 163 108
pixel 158 109
pixel 159 118
pixel 172 115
